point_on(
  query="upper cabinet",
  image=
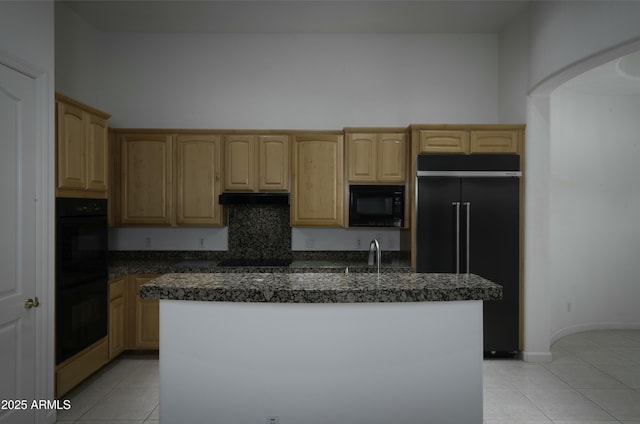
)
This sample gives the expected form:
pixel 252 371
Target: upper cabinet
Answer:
pixel 317 191
pixel 274 163
pixel 376 157
pixel 492 139
pixel 443 141
pixel 144 189
pixel 82 150
pixel 198 165
pixel 257 163
pixel 498 141
pixel 168 179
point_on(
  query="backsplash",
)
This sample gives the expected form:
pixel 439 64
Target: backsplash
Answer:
pixel 259 231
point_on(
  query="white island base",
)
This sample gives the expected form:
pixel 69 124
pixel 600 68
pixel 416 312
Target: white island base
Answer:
pixel 346 363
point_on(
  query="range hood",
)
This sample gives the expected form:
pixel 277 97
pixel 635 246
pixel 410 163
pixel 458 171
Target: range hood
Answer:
pixel 254 199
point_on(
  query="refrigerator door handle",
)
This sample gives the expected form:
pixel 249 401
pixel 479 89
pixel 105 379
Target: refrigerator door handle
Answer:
pixel 457 206
pixel 468 207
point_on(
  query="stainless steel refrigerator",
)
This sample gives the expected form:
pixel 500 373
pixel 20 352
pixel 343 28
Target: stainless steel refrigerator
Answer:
pixel 468 221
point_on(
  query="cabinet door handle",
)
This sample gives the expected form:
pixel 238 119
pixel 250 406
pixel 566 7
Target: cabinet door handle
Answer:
pixel 31 303
pixel 468 207
pixel 457 206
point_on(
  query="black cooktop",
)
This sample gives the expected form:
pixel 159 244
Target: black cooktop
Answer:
pixel 255 262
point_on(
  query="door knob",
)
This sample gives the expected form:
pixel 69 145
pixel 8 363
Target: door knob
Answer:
pixel 31 303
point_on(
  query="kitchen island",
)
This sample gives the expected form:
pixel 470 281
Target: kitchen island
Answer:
pixel 313 348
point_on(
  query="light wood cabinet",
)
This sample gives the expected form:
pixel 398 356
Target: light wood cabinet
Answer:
pixel 474 141
pixel 317 192
pixel 240 163
pixel 376 157
pixel 117 317
pixel 494 141
pixel 144 190
pixel 274 163
pixel 257 163
pixel 144 316
pixel 167 179
pixel 198 166
pixel 82 150
pixel 443 141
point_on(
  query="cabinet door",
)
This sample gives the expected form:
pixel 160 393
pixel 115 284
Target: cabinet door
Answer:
pixel 117 317
pixel 274 163
pixel 71 148
pixel 198 180
pixel 317 193
pixel 240 163
pixel 146 316
pixel 146 178
pixel 97 154
pixel 392 158
pixel 444 141
pixel 500 141
pixel 361 155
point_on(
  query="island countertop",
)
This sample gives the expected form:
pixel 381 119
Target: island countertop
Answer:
pixel 320 287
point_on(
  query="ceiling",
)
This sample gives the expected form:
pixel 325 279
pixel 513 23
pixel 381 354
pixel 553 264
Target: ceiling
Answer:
pixel 300 16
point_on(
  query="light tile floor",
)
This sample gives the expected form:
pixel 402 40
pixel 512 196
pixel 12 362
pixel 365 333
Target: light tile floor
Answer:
pixel 594 379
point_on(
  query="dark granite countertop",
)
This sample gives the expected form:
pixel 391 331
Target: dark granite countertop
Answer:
pixel 320 287
pixel 119 268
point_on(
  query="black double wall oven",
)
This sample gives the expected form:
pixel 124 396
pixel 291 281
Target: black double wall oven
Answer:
pixel 81 274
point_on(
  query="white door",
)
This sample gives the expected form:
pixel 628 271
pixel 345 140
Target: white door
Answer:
pixel 17 245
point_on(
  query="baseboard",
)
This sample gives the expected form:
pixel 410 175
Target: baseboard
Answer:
pixel 593 326
pixel 536 356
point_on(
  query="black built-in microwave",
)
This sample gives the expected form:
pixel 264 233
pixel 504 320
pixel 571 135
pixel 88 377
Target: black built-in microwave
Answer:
pixel 376 206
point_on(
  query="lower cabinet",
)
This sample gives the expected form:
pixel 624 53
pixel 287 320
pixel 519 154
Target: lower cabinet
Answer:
pixel 117 317
pixel 143 321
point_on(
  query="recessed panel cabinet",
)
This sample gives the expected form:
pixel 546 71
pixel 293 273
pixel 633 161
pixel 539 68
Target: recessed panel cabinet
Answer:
pixel 143 317
pixel 376 158
pixel 168 179
pixel 117 317
pixel 443 141
pixel 82 150
pixel 257 163
pixel 144 191
pixel 274 163
pixel 475 141
pixel 317 192
pixel 199 166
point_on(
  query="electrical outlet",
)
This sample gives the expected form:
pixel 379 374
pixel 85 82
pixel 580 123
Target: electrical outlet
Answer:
pixel 359 243
pixel 201 243
pixel 310 243
pixel 147 242
pixel 273 420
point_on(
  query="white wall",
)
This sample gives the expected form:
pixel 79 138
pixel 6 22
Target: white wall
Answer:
pixel 514 71
pixel 308 81
pixel 78 57
pixel 595 204
pixel 299 81
pixel 567 38
pixel 565 33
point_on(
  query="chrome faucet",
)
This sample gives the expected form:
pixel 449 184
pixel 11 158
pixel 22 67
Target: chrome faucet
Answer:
pixel 374 246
